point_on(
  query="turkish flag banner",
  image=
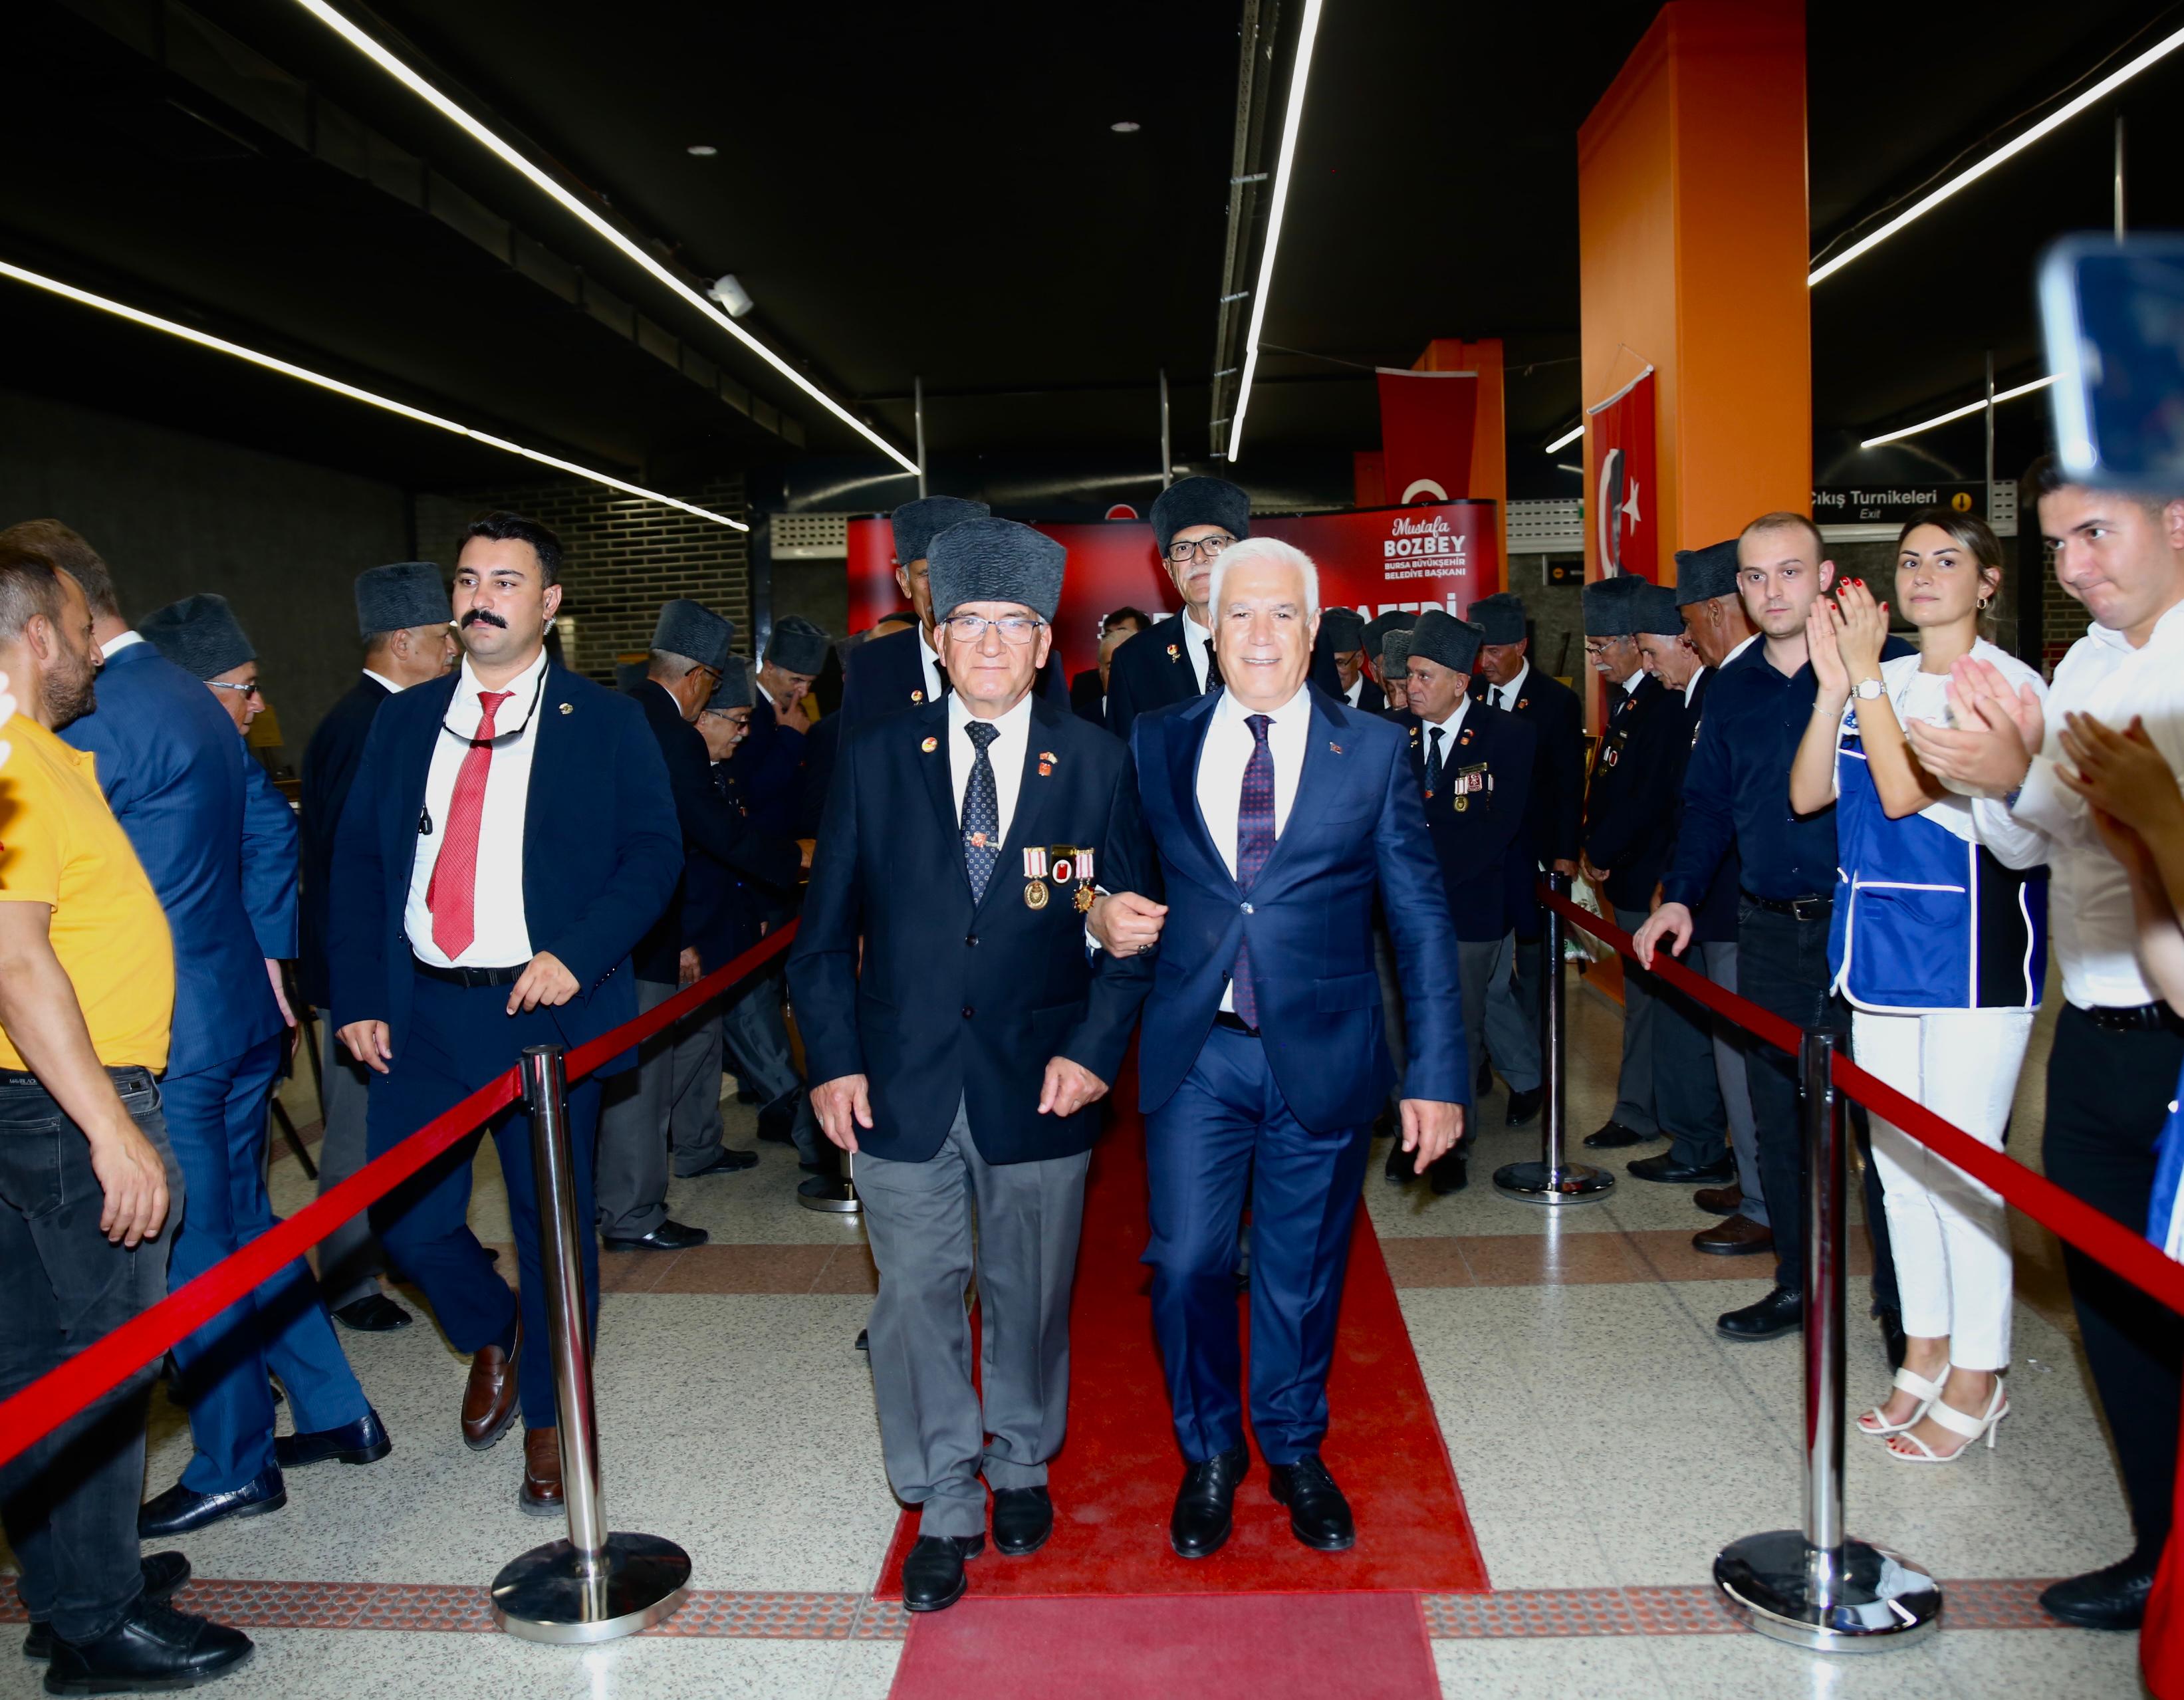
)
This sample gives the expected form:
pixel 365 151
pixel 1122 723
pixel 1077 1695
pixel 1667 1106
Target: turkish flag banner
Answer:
pixel 1444 555
pixel 1427 421
pixel 1626 505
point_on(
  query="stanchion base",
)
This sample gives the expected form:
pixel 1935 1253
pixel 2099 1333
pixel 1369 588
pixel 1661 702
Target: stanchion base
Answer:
pixel 1878 1603
pixel 545 1595
pixel 844 1202
pixel 1534 1183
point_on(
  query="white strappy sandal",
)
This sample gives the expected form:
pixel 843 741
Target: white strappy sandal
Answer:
pixel 1919 1388
pixel 1957 1423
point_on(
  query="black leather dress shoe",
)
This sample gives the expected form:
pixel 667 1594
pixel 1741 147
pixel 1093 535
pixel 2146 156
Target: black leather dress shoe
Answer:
pixel 777 1120
pixel 163 1573
pixel 364 1441
pixel 1613 1136
pixel 1523 1106
pixel 1205 1503
pixel 1401 1164
pixel 668 1236
pixel 155 1647
pixel 374 1313
pixel 1319 1516
pixel 1781 1312
pixel 179 1510
pixel 1449 1172
pixel 1664 1167
pixel 2111 1598
pixel 725 1161
pixel 933 1578
pixel 1023 1517
pixel 1893 1339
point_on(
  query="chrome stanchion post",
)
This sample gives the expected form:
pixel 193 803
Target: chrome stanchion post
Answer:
pixel 1553 1179
pixel 1816 1587
pixel 594 1585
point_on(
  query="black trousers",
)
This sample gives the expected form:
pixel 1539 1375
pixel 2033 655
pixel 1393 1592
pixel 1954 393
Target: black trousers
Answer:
pixel 1782 965
pixel 2100 1148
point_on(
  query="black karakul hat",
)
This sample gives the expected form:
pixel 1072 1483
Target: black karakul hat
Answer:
pixel 996 560
pixel 1396 650
pixel 199 634
pixel 1499 617
pixel 916 524
pixel 1441 637
pixel 1610 603
pixel 736 689
pixel 1343 629
pixel 1377 630
pixel 798 646
pixel 1201 502
pixel 1702 574
pixel 693 631
pixel 391 599
pixel 1655 614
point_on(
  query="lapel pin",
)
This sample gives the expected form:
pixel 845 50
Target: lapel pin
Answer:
pixel 930 745
pixel 568 708
pixel 1173 653
pixel 1523 702
pixel 917 696
pixel 1046 755
pixel 1335 747
pixel 1046 769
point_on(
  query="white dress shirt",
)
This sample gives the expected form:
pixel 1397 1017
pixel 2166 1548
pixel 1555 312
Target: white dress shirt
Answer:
pixel 1221 764
pixel 1197 645
pixel 390 685
pixel 931 662
pixel 1006 752
pixel 2089 896
pixel 112 646
pixel 1505 696
pixel 1448 729
pixel 1355 693
pixel 500 937
pixel 1630 685
pixel 1692 685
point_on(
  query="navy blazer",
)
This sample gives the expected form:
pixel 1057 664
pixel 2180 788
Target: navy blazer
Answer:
pixel 1153 670
pixel 1630 804
pixel 1558 717
pixel 1484 847
pixel 217 841
pixel 769 766
pixel 885 675
pixel 722 908
pixel 897 974
pixel 1088 697
pixel 1356 828
pixel 329 763
pixel 713 831
pixel 601 850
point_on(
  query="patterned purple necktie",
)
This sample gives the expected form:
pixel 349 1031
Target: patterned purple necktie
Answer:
pixel 1254 843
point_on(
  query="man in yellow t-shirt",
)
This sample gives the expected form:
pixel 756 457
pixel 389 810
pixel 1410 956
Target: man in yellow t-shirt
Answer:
pixel 86 1177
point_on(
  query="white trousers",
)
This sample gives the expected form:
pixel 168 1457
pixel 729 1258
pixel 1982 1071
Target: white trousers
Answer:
pixel 1950 1234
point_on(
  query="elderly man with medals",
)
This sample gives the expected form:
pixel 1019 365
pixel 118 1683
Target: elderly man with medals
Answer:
pixel 959 1033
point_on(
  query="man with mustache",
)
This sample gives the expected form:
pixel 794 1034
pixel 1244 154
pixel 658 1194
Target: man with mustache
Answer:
pixel 510 836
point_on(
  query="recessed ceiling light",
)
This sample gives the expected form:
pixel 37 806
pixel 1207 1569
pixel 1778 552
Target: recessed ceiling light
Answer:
pixel 701 150
pixel 1126 127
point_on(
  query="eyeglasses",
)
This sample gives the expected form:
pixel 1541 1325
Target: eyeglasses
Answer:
pixel 970 628
pixel 250 689
pixel 1182 553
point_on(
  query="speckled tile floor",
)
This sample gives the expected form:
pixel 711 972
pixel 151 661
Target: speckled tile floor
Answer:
pixel 1606 1438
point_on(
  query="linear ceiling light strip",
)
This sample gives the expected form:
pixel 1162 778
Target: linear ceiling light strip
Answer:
pixel 84 298
pixel 1291 122
pixel 1956 413
pixel 2062 114
pixel 1566 439
pixel 508 153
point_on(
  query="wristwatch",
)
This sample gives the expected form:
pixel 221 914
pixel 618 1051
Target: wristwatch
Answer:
pixel 1867 689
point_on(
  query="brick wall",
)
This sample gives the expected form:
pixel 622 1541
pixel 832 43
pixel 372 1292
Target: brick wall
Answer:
pixel 625 557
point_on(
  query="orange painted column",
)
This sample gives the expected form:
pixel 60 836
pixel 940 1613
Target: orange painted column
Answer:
pixel 1693 245
pixel 1489 432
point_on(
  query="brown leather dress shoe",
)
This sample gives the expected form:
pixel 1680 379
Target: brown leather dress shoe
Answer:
pixel 542 1473
pixel 1719 1200
pixel 489 1398
pixel 1736 1236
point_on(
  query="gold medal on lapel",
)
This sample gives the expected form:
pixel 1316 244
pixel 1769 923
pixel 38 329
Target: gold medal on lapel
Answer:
pixel 1463 802
pixel 1035 894
pixel 1085 897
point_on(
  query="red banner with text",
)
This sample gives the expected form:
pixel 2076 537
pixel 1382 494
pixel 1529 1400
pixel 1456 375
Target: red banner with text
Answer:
pixel 1626 503
pixel 1427 419
pixel 1441 555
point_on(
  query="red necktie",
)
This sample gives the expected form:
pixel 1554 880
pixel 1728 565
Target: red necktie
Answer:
pixel 453 923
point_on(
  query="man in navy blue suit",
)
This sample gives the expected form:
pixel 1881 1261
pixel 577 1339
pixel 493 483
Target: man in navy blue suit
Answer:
pixel 409 639
pixel 510 836
pixel 1474 771
pixel 219 846
pixel 1280 813
pixel 960 1032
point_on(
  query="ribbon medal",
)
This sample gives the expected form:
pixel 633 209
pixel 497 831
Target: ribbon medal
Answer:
pixel 1035 894
pixel 1035 862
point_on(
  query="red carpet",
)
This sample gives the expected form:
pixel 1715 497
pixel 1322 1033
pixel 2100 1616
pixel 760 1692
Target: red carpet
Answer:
pixel 1326 1647
pixel 1115 1481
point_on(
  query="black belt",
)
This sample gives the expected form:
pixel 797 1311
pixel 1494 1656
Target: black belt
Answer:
pixel 470 977
pixel 2134 1017
pixel 1234 1022
pixel 130 1076
pixel 1796 908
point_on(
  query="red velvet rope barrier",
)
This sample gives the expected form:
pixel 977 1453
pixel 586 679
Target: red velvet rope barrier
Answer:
pixel 59 1394
pixel 2099 1236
